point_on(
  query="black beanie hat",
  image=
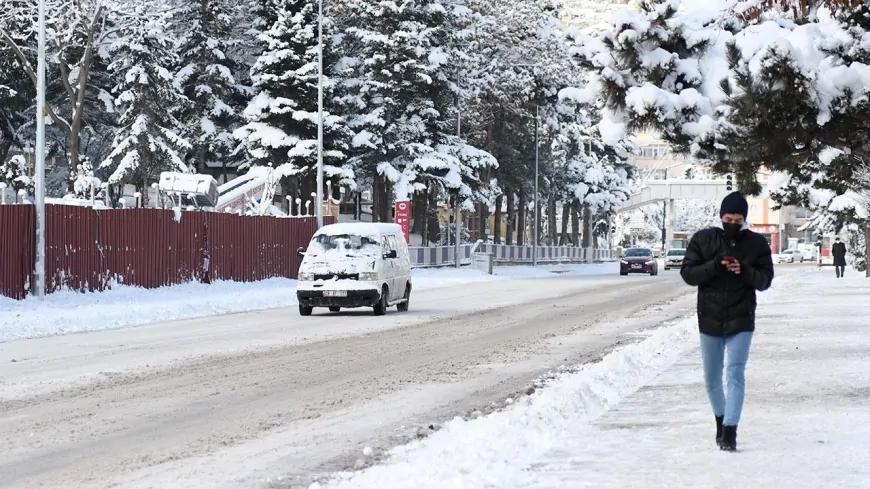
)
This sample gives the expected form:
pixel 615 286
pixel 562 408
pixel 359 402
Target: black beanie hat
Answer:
pixel 734 203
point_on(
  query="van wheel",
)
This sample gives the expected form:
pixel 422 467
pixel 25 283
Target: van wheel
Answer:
pixel 381 307
pixel 403 306
pixel 334 309
pixel 305 310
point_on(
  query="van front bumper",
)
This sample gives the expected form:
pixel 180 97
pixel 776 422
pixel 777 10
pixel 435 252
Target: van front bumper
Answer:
pixel 354 298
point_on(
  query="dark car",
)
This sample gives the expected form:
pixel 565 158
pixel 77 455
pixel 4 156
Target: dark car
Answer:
pixel 638 260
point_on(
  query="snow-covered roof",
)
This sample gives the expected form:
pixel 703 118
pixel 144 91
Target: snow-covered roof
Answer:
pixel 368 229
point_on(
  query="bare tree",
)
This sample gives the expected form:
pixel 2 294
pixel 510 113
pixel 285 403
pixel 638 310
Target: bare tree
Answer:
pixel 76 31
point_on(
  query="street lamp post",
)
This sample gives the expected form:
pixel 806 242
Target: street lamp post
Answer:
pixel 39 176
pixel 536 204
pixel 535 232
pixel 457 232
pixel 318 208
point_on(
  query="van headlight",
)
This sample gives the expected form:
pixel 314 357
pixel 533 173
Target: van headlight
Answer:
pixel 623 262
pixel 306 277
pixel 650 262
pixel 368 276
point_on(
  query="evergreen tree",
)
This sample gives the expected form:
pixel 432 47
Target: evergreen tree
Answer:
pixel 148 140
pixel 400 93
pixel 13 172
pixel 282 118
pixel 206 77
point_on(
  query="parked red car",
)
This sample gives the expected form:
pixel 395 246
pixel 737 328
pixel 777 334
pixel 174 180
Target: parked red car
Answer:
pixel 638 260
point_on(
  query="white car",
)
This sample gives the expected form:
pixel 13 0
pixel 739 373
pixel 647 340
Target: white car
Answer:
pixel 674 258
pixel 355 265
pixel 791 256
pixel 780 258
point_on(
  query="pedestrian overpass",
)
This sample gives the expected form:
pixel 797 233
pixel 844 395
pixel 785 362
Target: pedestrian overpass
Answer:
pixel 652 191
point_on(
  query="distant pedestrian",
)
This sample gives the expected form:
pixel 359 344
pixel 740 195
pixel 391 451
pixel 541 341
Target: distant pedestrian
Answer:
pixel 819 246
pixel 839 252
pixel 728 263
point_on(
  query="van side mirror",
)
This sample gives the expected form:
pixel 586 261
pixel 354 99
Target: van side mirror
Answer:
pixel 300 251
pixel 391 254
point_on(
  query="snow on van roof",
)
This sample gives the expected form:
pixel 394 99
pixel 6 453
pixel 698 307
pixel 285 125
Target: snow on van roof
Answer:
pixel 369 229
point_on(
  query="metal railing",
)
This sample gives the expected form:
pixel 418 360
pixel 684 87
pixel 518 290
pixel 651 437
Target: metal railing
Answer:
pixel 444 256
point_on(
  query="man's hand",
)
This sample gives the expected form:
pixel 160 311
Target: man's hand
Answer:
pixel 732 266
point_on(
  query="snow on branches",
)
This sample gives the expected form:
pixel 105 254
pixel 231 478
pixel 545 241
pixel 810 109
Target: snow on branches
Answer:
pixel 742 85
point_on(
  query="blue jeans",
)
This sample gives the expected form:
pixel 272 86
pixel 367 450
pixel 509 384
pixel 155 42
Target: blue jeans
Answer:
pixel 713 350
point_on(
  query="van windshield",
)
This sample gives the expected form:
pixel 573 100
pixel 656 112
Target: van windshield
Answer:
pixel 344 243
pixel 676 252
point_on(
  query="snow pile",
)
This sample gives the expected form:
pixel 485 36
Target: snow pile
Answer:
pixel 70 312
pixel 496 450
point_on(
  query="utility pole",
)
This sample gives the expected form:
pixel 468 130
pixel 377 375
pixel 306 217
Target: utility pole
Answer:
pixel 318 210
pixel 457 212
pixel 535 232
pixel 39 176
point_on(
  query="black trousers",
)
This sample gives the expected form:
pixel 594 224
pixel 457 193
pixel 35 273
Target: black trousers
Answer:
pixel 841 270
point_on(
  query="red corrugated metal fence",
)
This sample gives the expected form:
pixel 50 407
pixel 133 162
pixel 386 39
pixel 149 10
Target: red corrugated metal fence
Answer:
pixel 88 250
pixel 17 225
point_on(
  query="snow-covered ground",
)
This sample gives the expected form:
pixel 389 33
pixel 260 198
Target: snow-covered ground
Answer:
pixel 640 418
pixel 69 312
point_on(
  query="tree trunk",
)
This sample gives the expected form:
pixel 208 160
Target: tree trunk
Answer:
pixel 419 214
pixel 521 222
pixel 566 214
pixel 575 226
pixel 496 232
pixel 866 249
pixel 434 231
pixel 587 218
pixel 5 148
pixel 551 221
pixel 483 214
pixel 376 197
pixel 511 215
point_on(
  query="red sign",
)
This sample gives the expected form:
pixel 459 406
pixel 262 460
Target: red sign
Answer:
pixel 403 217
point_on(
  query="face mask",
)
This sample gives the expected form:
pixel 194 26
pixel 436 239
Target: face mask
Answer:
pixel 732 229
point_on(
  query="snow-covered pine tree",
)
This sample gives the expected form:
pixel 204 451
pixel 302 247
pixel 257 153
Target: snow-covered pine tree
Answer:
pixel 400 91
pixel 282 118
pixel 13 172
pixel 649 73
pixel 148 140
pixel 206 77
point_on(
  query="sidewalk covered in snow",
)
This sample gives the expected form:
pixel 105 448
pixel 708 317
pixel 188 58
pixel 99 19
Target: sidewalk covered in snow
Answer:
pixel 640 419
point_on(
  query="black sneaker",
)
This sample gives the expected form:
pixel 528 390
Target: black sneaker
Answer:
pixel 719 420
pixel 729 439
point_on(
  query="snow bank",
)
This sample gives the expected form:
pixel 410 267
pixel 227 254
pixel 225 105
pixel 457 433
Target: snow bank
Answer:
pixel 496 450
pixel 70 312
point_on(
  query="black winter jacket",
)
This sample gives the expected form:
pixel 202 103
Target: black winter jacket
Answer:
pixel 726 301
pixel 839 252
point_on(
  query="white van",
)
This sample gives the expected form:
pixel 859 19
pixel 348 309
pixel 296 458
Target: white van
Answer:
pixel 355 265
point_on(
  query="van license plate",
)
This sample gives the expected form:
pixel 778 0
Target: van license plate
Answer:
pixel 334 293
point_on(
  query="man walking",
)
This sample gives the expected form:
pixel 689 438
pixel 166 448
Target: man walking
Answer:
pixel 728 263
pixel 839 251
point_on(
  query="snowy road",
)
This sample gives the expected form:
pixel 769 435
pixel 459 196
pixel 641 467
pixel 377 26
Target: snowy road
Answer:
pixel 245 397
